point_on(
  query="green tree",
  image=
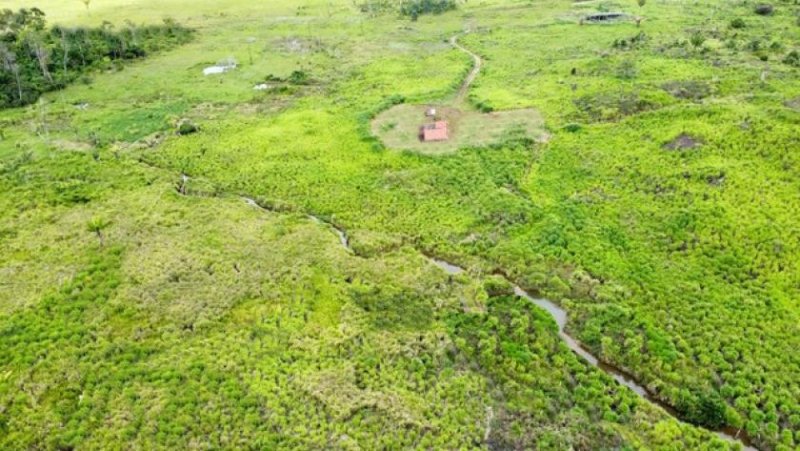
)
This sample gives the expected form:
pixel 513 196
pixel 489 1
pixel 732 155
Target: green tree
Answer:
pixel 97 225
pixel 697 40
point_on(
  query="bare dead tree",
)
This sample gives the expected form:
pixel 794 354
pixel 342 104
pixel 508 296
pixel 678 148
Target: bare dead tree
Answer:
pixel 9 61
pixel 35 42
pixel 65 46
pixel 83 54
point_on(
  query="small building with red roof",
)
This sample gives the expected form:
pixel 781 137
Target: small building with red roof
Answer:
pixel 436 131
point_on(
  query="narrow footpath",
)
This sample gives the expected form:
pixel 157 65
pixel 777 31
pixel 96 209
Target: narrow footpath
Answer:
pixel 473 74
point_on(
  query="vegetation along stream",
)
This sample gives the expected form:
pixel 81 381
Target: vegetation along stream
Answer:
pixel 559 315
pixel 416 224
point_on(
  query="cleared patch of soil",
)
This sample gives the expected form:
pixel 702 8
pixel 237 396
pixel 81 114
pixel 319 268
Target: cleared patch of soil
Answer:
pixel 691 90
pixel 221 67
pixel 794 104
pixel 295 44
pixel 213 70
pixel 611 106
pixel 716 180
pixel 76 146
pixel 682 142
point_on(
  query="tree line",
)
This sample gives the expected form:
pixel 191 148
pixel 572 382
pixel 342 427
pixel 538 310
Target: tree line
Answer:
pixel 408 8
pixel 36 58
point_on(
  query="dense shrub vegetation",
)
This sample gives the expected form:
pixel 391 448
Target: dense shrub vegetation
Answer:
pixel 512 341
pixel 152 342
pixel 144 302
pixel 36 58
pixel 407 8
pixel 416 8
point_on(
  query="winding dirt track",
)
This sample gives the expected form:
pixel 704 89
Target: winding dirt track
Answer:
pixel 476 68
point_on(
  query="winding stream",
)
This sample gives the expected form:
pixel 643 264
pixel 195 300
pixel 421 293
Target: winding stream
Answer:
pixel 559 315
pixel 343 239
pixel 624 378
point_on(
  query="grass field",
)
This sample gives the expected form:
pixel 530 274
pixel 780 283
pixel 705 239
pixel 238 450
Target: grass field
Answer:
pixel 132 316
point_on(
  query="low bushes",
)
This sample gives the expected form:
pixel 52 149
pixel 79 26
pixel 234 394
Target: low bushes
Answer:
pixel 764 9
pixel 416 8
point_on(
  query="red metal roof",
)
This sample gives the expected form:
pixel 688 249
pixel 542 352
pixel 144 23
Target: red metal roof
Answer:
pixel 435 132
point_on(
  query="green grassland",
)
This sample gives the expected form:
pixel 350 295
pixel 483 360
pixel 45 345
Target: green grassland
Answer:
pixel 132 316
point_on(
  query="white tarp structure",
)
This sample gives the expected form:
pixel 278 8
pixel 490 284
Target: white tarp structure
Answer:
pixel 221 67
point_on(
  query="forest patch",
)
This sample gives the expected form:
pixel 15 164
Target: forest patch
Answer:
pixel 37 59
pixel 407 8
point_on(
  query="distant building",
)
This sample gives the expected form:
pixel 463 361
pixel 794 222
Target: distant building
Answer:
pixel 434 132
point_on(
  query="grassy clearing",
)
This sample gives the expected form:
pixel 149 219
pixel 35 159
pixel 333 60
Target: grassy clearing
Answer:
pixel 398 128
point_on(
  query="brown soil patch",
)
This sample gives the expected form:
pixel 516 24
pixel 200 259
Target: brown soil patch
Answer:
pixel 691 90
pixel 76 146
pixel 295 44
pixel 682 142
pixel 716 180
